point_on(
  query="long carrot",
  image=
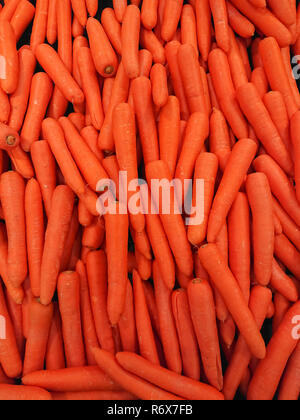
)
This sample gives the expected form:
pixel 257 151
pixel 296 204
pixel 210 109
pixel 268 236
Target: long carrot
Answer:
pixel 9 78
pixel 52 22
pixel 220 17
pixel 204 32
pixel 23 393
pixel 216 267
pixel 188 26
pixel 22 17
pixel 56 233
pixel 127 325
pixel 39 28
pixel 55 355
pixel 130 40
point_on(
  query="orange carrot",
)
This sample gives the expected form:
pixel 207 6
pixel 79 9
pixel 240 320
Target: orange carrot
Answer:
pixel 8 9
pixel 289 387
pixel 158 77
pixel 23 393
pixel 220 18
pixel 127 325
pixel 112 28
pixel 189 27
pixel 282 283
pixel 22 17
pixel 130 41
pixel 239 23
pixel 79 10
pixel 172 13
pixel 39 29
pixel 52 22
pixel 55 356
pixel 149 13
pixel 10 77
pixel 259 79
pixel 219 139
pixel 150 42
pixel 204 33
pixel 289 227
pixel 287 254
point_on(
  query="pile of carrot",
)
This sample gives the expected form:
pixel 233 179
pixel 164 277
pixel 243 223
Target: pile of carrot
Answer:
pixel 142 305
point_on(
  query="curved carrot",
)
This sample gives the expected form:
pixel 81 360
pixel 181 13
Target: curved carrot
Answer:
pixel 265 380
pixel 39 28
pixel 236 63
pixel 112 28
pixel 22 17
pixel 217 269
pixel 79 10
pixel 55 355
pixel 10 77
pixel 127 325
pixel 220 18
pixel 52 22
pixel 239 23
pixel 130 36
pixel 96 265
pixel 282 283
pixel 23 393
pixel 172 13
pixel 150 42
pixel 56 233
pixel 158 77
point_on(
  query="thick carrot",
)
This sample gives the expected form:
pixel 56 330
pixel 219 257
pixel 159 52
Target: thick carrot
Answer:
pixel 52 22
pixel 220 18
pixel 23 393
pixel 172 13
pixel 56 233
pixel 68 288
pixel 166 379
pixel 129 382
pixel 12 200
pixel 203 315
pixel 22 17
pixel 78 379
pixel 224 88
pixel 112 28
pixel 141 90
pixel 260 200
pixel 56 69
pixel 260 299
pixel 239 23
pixel 55 356
pixel 10 77
pixel 130 36
pixel 126 324
pixel 217 269
pixel 150 42
pixel 265 379
pixel 96 264
pixel 235 171
pixel 93 396
pixel 259 118
pixel 40 318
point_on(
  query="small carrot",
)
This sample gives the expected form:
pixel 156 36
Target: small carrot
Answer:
pixel 172 13
pixel 56 233
pixel 239 23
pixel 204 32
pixel 10 77
pixel 112 28
pixel 9 9
pixel 188 25
pixel 55 356
pixel 220 18
pixel 52 22
pixel 23 393
pixel 22 17
pixel 39 29
pixel 150 42
pixel 149 13
pixel 130 35
pixel 158 77
pixel 79 10
pixel 127 325
pixel 286 252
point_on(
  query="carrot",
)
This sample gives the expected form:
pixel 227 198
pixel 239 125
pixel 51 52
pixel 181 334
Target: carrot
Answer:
pixel 239 23
pixel 107 89
pixel 260 299
pixel 275 105
pixel 290 385
pixel 23 393
pixel 282 283
pixel 92 7
pixel 283 11
pixel 149 13
pixel 219 139
pixel 150 42
pixel 141 90
pixel 287 254
pixel 40 318
pixel 93 235
pixel 52 22
pixel 220 18
pixel 260 200
pixel 78 379
pixel 281 306
pixel 204 33
pixel 4 379
pixel 16 316
pixel 56 233
pixel 239 242
pixel 69 304
pixel 9 9
pixel 79 10
pixel 168 331
pixel 217 269
pixel 201 304
pixel 130 40
pixel 272 59
pixel 189 27
pixel 224 88
pixel 235 171
pixel 265 380
pixel 131 383
pixel 172 222
pixel 280 185
pixel 166 379
pixel 22 17
pixel 36 109
pixel 120 9
pixel 158 77
pixel 259 79
pixel 5 107
pixel 28 298
pixel 286 56
pixel 55 356
pixel 58 72
pixel 39 28
pixel 119 94
pixel 10 77
pixel 265 21
pixel 267 133
pixel 126 324
pixel 96 265
pixel 85 218
pixel 70 239
pixel 12 199
pixel 112 28
pixel 171 50
pixel 289 227
pixel 90 135
pixel 171 18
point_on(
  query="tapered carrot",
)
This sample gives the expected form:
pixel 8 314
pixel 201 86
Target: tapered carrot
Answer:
pixel 265 21
pixel 289 227
pixel 158 77
pixel 56 233
pixel 40 318
pixel 16 316
pixel 188 25
pixel 294 129
pixel 112 28
pixel 265 380
pixel 12 199
pixel 36 109
pixel 69 304
pixel 260 200
pixel 55 356
pixel 224 88
pixel 214 264
pixel 92 7
pixel 23 393
pixel 204 33
pixel 22 17
pixel 126 324
pixel 237 167
pixel 9 354
pixel 235 60
pixel 172 222
pixel 9 9
pixel 96 265
pixel 39 29
pixel 132 383
pixel 141 90
pixel 219 140
pixel 119 95
pixel 149 13
pixel 90 135
pixel 282 283
pixel 287 254
pixel 171 50
pixel 166 379
pixel 280 185
pixel 172 13
pixel 120 9
pixel 130 41
pixel 274 67
pixel 290 384
pixel 204 320
pixel 116 248
pixel 5 107
pixel 286 56
pixel 79 10
pixel 239 23
pixel 149 41
pixel 10 77
pixel 52 22
pixel 58 72
pixel 260 299
pixel 220 18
